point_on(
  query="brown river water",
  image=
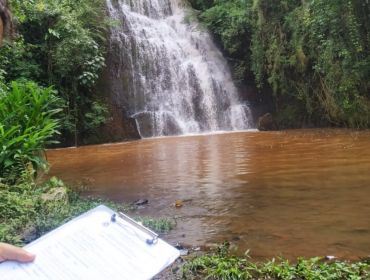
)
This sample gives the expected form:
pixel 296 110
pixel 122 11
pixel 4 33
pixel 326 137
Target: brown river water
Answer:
pixel 290 193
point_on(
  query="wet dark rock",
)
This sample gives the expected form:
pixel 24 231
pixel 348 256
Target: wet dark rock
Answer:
pixel 179 246
pixel 119 127
pixel 184 252
pixel 29 234
pixel 148 123
pixel 235 238
pixel 141 202
pixel 266 123
pixel 361 231
pixel 173 272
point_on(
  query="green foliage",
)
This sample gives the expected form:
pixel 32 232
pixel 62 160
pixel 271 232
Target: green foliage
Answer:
pixel 221 265
pixel 17 209
pixel 59 43
pixel 202 4
pixel 24 211
pixel 161 225
pixel 27 124
pixel 17 61
pixel 314 55
pixel 25 214
pixel 314 269
pixel 230 22
pixel 96 116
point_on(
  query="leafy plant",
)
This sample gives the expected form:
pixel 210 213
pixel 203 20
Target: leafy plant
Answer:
pixel 221 265
pixel 159 225
pixel 60 44
pixel 26 215
pixel 314 55
pixel 27 124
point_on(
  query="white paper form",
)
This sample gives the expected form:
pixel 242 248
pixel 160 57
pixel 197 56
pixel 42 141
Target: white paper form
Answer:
pixel 92 247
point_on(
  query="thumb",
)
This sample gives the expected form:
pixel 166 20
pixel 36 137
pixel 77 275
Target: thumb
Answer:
pixel 9 252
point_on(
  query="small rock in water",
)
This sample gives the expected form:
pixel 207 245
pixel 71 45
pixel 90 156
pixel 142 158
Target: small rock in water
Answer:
pixel 330 258
pixel 184 252
pixel 141 202
pixel 178 203
pixel 178 246
pixel 266 123
pixel 236 238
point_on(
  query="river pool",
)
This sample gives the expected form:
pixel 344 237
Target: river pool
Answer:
pixel 289 193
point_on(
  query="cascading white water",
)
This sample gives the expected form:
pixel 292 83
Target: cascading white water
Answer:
pixel 174 79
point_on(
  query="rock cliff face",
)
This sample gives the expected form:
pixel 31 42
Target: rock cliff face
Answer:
pixel 266 123
pixel 165 76
pixel 120 126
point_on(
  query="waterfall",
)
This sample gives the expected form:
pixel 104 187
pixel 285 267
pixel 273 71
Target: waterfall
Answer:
pixel 169 74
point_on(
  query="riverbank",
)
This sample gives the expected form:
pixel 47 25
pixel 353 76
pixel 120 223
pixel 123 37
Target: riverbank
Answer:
pixel 29 210
pixel 292 193
pixel 221 264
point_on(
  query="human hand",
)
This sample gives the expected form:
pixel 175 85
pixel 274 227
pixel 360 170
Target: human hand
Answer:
pixel 12 253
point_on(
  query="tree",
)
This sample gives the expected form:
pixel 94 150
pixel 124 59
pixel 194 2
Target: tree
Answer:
pixel 313 55
pixel 5 19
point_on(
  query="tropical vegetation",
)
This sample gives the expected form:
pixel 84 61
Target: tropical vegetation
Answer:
pixel 60 44
pixel 27 114
pixel 222 265
pixel 312 55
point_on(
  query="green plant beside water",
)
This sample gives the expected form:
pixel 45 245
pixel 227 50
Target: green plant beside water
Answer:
pixel 28 210
pixel 27 124
pixel 159 225
pixel 29 118
pixel 223 266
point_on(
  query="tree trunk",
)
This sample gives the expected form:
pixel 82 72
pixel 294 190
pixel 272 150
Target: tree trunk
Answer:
pixel 5 20
pixel 1 31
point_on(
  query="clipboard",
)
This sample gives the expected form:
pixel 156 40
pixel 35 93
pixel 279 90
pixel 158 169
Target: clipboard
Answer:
pixel 100 244
pixel 153 236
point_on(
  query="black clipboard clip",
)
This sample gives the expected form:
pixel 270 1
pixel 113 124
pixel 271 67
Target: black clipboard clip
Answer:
pixel 153 236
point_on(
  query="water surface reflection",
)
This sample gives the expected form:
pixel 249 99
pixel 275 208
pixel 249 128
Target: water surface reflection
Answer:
pixel 293 193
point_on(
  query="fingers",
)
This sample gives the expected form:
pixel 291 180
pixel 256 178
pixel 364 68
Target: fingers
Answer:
pixel 9 252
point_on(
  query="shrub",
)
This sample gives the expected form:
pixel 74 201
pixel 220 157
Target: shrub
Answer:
pixel 60 43
pixel 25 216
pixel 159 225
pixel 313 55
pixel 220 265
pixel 27 123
